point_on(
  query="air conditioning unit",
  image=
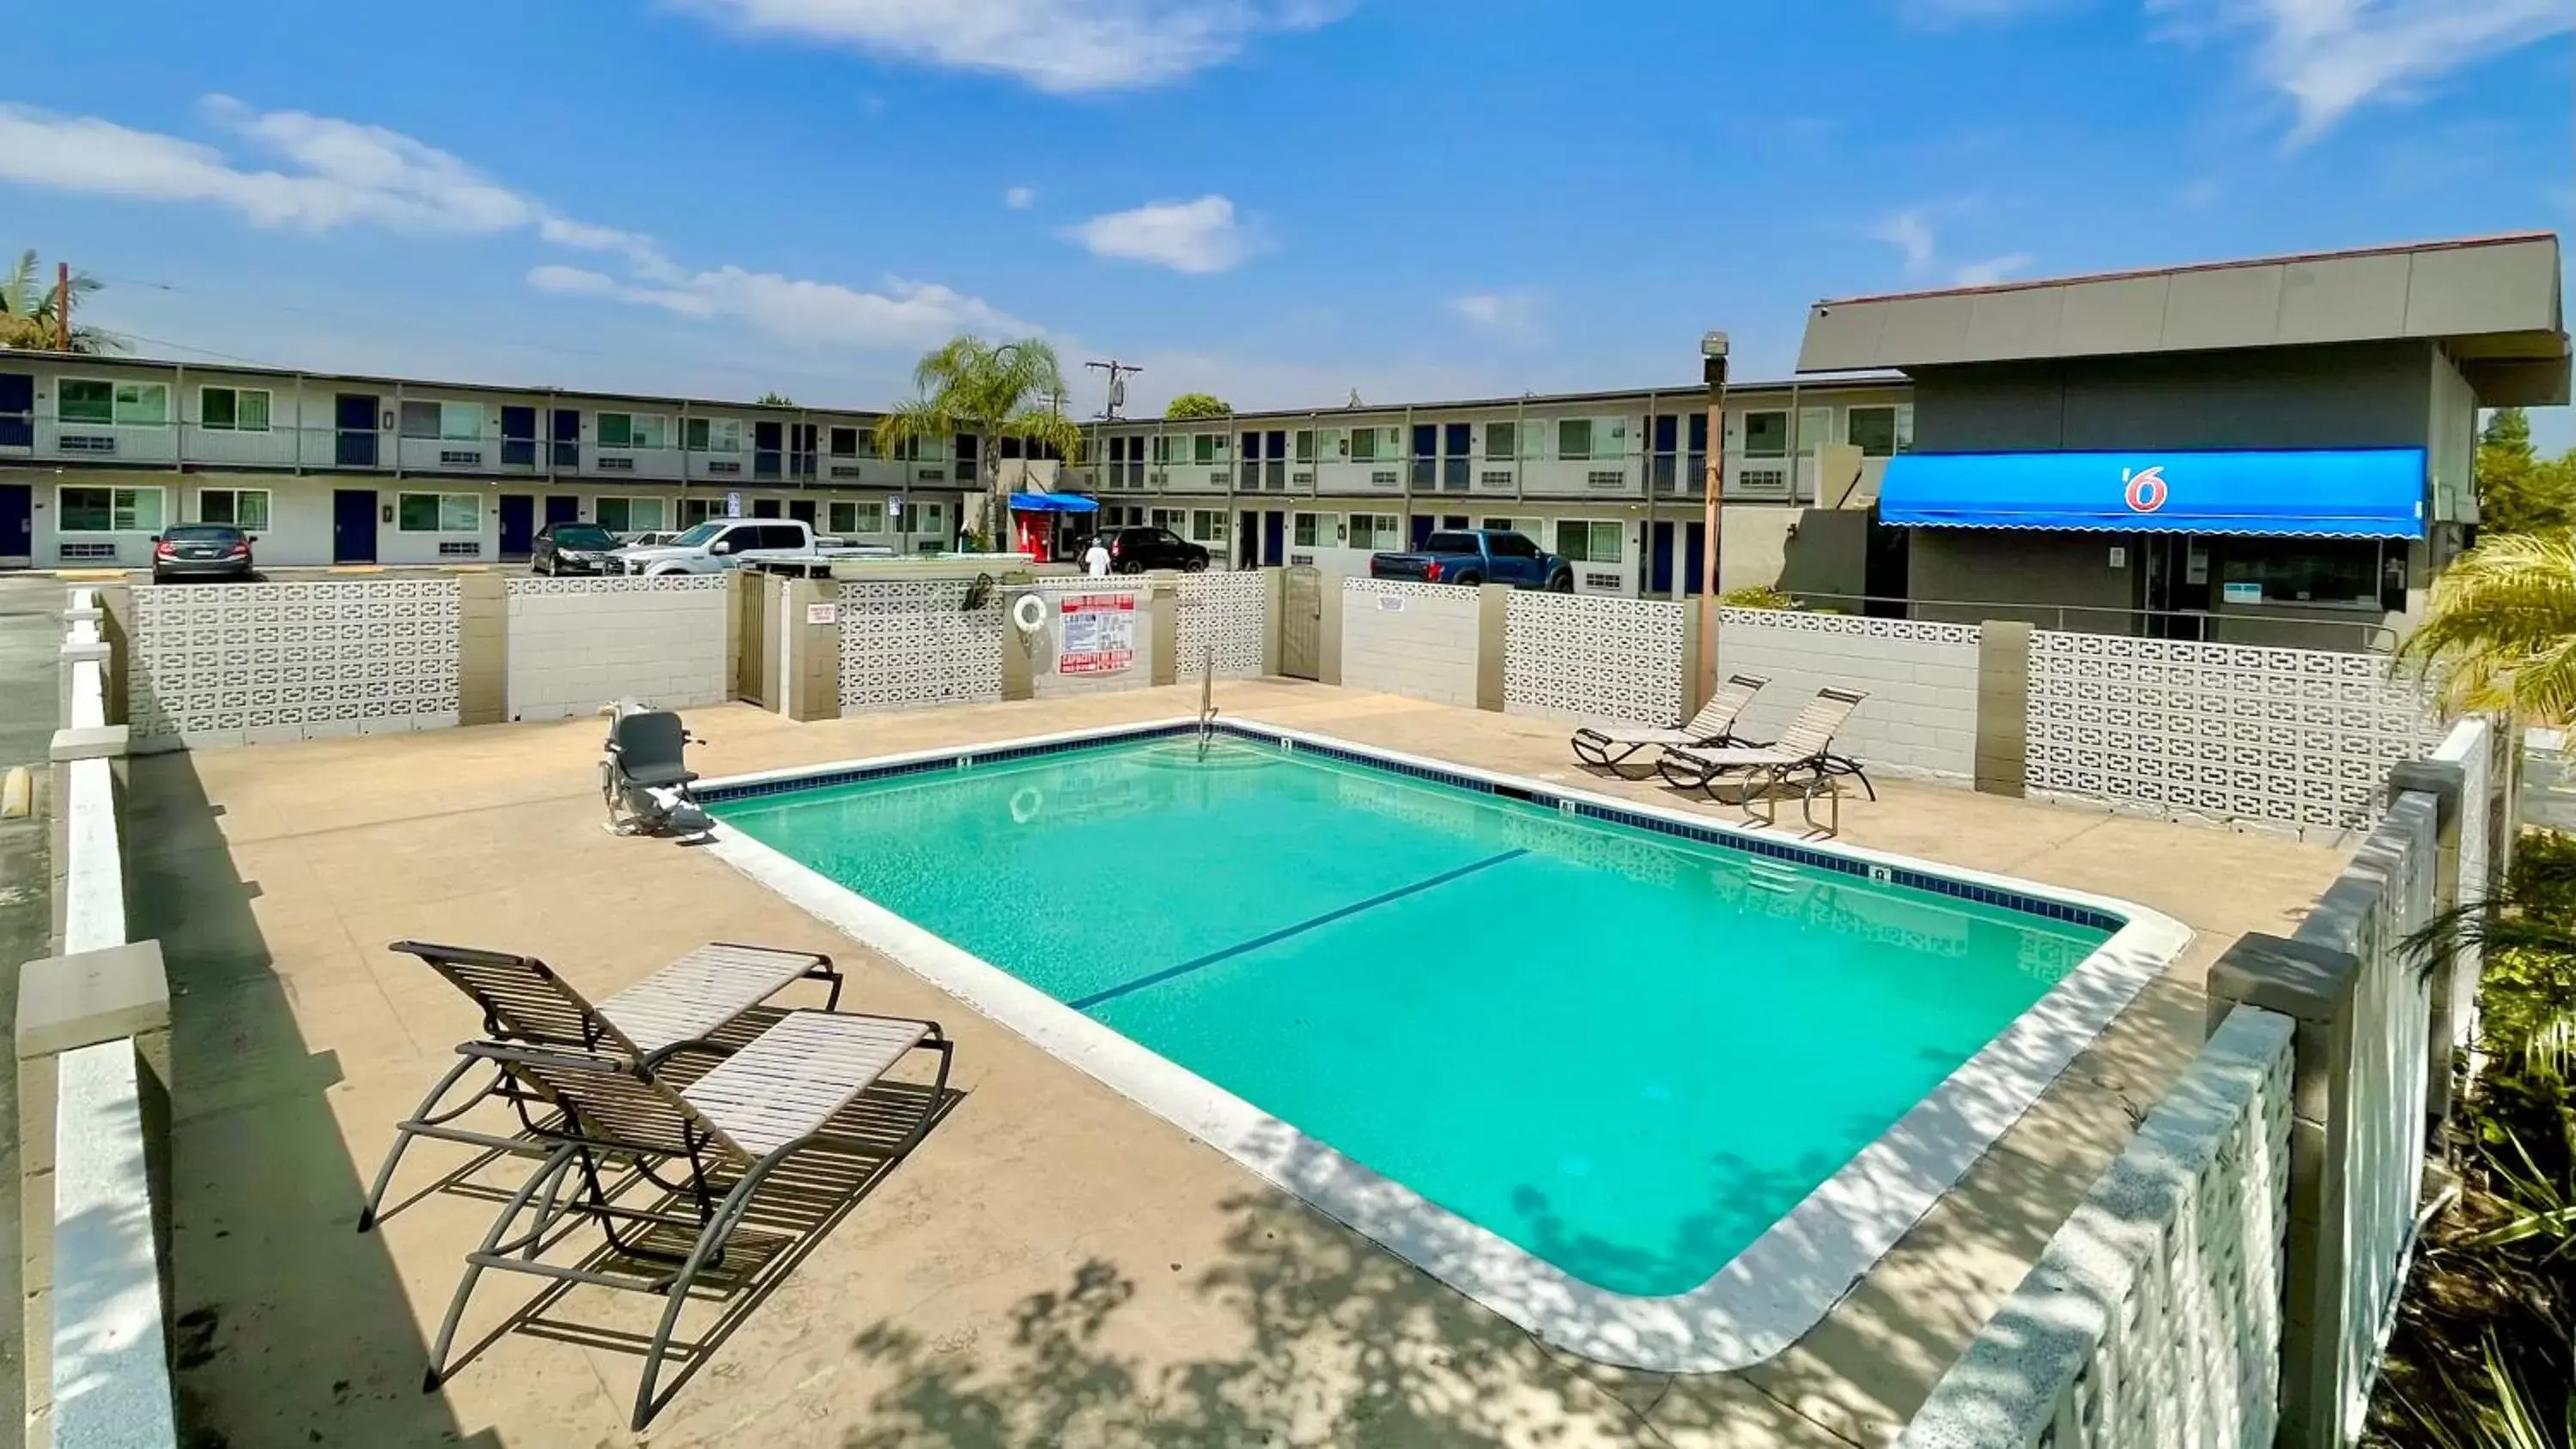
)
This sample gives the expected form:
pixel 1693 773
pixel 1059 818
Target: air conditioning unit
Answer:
pixel 723 468
pixel 608 464
pixel 459 458
pixel 85 443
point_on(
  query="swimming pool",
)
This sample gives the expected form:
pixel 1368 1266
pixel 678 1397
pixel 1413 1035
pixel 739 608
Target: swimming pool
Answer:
pixel 1656 1088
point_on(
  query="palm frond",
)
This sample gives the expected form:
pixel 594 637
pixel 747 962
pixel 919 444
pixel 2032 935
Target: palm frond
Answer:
pixel 2500 631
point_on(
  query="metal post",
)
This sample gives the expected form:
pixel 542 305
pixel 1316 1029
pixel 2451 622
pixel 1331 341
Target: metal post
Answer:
pixel 1713 369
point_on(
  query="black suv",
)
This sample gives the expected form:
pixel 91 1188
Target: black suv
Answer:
pixel 574 548
pixel 1134 550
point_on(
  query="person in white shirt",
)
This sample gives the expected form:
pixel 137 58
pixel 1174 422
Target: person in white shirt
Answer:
pixel 1095 559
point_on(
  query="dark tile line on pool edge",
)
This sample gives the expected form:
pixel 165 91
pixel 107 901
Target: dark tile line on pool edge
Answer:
pixel 1536 795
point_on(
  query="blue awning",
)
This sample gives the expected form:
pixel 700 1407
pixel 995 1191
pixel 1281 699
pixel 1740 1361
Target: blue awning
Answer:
pixel 1052 503
pixel 2322 493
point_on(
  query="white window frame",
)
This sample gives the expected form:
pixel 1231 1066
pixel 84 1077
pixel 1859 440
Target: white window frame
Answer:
pixel 267 408
pixel 1745 424
pixel 1592 531
pixel 1315 525
pixel 1377 526
pixel 1208 525
pixel 267 507
pixel 724 435
pixel 472 501
pixel 116 391
pixel 926 520
pixel 130 495
pixel 1591 440
pixel 661 428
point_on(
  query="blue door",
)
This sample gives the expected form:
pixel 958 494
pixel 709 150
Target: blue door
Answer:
pixel 353 523
pixel 1659 560
pixel 17 522
pixel 1274 538
pixel 518 443
pixel 1694 541
pixel 518 523
pixel 768 447
pixel 17 415
pixel 567 438
pixel 562 508
pixel 1421 530
pixel 353 417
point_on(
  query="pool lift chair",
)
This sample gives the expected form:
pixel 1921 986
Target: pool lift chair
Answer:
pixel 643 776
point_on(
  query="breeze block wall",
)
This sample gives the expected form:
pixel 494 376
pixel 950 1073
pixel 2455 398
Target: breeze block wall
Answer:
pixel 1417 640
pixel 913 644
pixel 1586 657
pixel 576 644
pixel 1920 720
pixel 1228 612
pixel 233 664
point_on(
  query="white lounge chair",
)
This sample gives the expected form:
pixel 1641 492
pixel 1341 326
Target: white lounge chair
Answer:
pixel 1711 728
pixel 1803 753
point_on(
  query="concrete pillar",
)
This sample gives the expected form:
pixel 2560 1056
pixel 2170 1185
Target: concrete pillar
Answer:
pixel 64 1004
pixel 812 671
pixel 1493 636
pixel 1274 614
pixel 2003 708
pixel 115 625
pixel 1019 651
pixel 739 596
pixel 2313 985
pixel 1695 664
pixel 1163 605
pixel 482 648
pixel 1328 629
pixel 2447 782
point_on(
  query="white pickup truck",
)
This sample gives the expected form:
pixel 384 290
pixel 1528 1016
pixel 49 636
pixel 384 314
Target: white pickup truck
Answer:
pixel 784 544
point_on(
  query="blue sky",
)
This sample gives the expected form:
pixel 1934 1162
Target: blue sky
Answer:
pixel 1276 200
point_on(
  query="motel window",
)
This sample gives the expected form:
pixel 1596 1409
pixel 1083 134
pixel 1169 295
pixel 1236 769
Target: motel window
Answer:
pixel 1374 531
pixel 928 518
pixel 123 404
pixel 1363 445
pixel 1498 525
pixel 1207 447
pixel 1879 432
pixel 1207 525
pixel 1170 520
pixel 848 519
pixel 842 443
pixel 634 430
pixel 1574 439
pixel 439 512
pixel 715 435
pixel 1305 445
pixel 446 421
pixel 1162 449
pixel 2312 571
pixel 244 508
pixel 107 510
pixel 628 515
pixel 1501 439
pixel 233 409
pixel 1593 541
pixel 1766 434
pixel 694 511
pixel 1306 529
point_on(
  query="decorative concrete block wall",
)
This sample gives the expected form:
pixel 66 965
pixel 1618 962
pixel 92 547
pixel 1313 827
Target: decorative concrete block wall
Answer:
pixel 576 644
pixel 2224 733
pixel 1584 657
pixel 913 644
pixel 1047 678
pixel 1920 719
pixel 1226 611
pixel 1418 640
pixel 230 664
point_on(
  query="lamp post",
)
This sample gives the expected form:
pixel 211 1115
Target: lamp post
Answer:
pixel 1712 352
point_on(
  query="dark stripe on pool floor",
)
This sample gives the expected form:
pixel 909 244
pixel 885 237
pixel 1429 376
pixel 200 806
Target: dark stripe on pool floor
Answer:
pixel 1085 1003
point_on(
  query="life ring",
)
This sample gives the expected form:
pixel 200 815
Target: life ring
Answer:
pixel 1028 612
pixel 1026 805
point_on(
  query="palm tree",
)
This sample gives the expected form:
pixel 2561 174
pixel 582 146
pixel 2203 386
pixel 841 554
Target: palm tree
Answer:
pixel 985 391
pixel 2500 632
pixel 30 312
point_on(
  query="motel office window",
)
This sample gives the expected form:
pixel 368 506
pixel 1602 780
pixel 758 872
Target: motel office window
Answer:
pixel 1589 541
pixel 445 421
pixel 243 508
pixel 1879 432
pixel 628 515
pixel 233 409
pixel 118 404
pixel 715 435
pixel 634 430
pixel 107 510
pixel 2360 572
pixel 439 512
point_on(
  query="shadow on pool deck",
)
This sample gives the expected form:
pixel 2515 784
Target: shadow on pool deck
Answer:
pixel 1053 1265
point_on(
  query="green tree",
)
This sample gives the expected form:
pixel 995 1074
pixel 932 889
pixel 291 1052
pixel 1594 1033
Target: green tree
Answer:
pixel 2500 629
pixel 2518 490
pixel 31 312
pixel 986 391
pixel 775 400
pixel 1197 405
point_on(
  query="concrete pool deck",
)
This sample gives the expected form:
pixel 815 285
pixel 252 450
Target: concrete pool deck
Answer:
pixel 1054 1265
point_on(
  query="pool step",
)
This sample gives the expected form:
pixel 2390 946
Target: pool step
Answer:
pixel 1770 875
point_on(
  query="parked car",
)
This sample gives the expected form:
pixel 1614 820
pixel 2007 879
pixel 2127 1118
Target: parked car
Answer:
pixel 1477 556
pixel 651 539
pixel 731 543
pixel 574 548
pixel 1134 550
pixel 202 551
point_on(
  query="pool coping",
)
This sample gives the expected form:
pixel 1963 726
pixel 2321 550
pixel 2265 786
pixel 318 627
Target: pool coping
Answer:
pixel 1764 1298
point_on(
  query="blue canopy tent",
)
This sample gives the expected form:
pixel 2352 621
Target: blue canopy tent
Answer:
pixel 1053 503
pixel 2309 493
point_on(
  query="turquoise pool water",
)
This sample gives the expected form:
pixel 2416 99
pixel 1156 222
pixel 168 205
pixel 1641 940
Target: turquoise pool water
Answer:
pixel 1626 1052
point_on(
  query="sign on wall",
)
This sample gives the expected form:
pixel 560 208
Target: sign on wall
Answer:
pixel 733 505
pixel 1099 634
pixel 822 613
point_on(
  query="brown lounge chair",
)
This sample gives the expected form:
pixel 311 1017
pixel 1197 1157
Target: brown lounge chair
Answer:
pixel 1711 728
pixel 1803 753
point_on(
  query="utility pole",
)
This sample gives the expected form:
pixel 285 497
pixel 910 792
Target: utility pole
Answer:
pixel 1712 352
pixel 62 306
pixel 1117 371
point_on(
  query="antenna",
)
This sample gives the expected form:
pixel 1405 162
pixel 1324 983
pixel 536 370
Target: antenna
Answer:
pixel 1118 372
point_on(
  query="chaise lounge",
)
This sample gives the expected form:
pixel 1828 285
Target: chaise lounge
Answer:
pixel 1713 727
pixel 1803 754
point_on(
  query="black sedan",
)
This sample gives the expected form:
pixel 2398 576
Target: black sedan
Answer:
pixel 1134 550
pixel 574 548
pixel 202 551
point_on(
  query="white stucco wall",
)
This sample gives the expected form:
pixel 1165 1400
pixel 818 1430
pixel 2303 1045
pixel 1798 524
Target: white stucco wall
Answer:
pixel 1417 640
pixel 577 644
pixel 1920 720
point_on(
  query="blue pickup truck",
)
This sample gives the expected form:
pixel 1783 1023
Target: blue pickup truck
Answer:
pixel 1477 556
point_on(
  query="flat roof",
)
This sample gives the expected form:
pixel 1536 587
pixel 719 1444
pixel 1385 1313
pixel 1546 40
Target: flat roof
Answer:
pixel 2492 302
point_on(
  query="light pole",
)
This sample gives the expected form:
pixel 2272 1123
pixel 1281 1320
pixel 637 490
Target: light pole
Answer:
pixel 1712 353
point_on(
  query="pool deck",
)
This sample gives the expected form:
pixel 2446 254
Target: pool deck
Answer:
pixel 1054 1265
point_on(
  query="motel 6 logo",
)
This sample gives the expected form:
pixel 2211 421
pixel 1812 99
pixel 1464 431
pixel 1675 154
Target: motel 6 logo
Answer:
pixel 2145 488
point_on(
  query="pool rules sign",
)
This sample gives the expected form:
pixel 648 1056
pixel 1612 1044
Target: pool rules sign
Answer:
pixel 1099 634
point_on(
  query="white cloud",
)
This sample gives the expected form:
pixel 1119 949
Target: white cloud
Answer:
pixel 1994 269
pixel 1187 236
pixel 2333 56
pixel 1512 309
pixel 1020 198
pixel 902 314
pixel 1910 232
pixel 1054 45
